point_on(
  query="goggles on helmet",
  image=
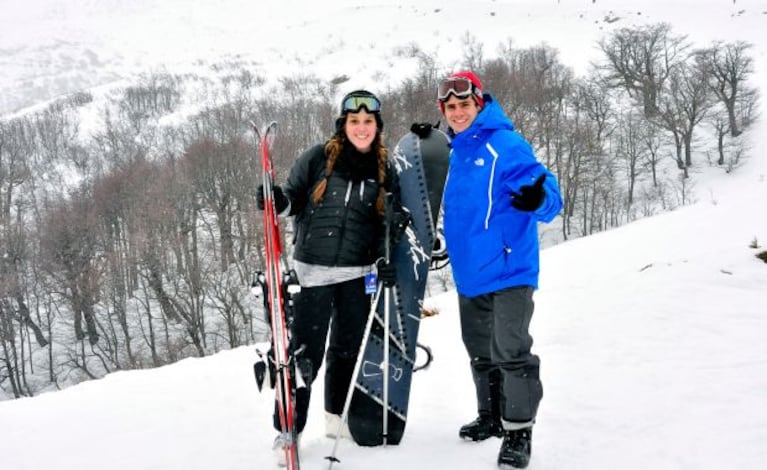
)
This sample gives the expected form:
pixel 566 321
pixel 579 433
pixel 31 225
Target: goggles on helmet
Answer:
pixel 459 86
pixel 353 104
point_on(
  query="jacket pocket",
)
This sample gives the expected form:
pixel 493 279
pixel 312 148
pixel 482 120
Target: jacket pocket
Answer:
pixel 501 255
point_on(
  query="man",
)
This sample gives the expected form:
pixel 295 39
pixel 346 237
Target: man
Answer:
pixel 495 195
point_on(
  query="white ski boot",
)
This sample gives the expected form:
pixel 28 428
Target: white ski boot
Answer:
pixel 332 422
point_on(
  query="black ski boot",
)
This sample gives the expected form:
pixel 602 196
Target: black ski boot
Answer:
pixel 515 449
pixel 481 428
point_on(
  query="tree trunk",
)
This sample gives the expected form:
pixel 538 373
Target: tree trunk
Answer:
pixel 720 147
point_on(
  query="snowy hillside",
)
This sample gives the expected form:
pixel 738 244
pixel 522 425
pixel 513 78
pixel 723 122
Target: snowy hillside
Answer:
pixel 53 47
pixel 653 356
pixel 651 336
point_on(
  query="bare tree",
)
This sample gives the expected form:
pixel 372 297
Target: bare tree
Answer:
pixel 683 106
pixel 415 99
pixel 727 67
pixel 473 54
pixel 641 60
pixel 16 146
pixel 222 175
pixel 653 142
pixel 631 149
pixel 70 241
pixel 154 95
pixel 169 253
pixel 532 85
pixel 56 130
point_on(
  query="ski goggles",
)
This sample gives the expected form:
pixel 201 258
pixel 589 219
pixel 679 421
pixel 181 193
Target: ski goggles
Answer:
pixel 353 104
pixel 458 86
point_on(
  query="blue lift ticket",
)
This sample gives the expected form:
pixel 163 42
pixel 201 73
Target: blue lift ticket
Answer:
pixel 371 279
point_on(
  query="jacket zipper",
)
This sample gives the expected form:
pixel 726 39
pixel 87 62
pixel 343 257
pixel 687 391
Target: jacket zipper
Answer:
pixel 490 184
pixel 343 220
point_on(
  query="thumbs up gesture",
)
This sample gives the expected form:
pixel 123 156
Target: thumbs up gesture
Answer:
pixel 530 196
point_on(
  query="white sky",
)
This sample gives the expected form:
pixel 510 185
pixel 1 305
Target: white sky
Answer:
pixel 652 336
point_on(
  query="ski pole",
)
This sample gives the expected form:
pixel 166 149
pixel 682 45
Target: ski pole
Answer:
pixel 387 315
pixel 385 366
pixel 365 338
pixel 357 366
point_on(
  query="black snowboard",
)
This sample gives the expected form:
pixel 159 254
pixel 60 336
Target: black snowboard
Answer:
pixel 422 167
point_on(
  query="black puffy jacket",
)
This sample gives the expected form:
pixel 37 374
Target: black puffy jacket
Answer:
pixel 344 229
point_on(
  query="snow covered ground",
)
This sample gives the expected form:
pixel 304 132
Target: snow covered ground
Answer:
pixel 651 336
pixel 652 339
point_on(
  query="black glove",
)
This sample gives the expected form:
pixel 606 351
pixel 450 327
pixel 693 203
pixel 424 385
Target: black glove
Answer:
pixel 280 200
pixel 421 129
pixel 530 196
pixel 387 272
pixel 400 221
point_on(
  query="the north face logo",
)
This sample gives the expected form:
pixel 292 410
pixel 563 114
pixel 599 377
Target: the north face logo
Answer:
pixel 479 162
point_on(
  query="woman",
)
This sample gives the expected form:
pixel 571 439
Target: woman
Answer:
pixel 336 192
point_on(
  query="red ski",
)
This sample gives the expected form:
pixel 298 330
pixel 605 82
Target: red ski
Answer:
pixel 276 282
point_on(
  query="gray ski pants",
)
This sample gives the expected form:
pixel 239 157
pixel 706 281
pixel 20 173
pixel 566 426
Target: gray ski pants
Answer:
pixel 495 331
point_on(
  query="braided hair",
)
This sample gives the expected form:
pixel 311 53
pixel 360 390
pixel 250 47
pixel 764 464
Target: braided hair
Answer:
pixel 333 149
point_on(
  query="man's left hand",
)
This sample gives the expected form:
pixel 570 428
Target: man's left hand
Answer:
pixel 530 196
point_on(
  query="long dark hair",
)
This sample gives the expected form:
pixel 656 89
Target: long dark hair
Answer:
pixel 333 149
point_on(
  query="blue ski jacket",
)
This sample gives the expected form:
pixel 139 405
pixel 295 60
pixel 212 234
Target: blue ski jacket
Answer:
pixel 491 244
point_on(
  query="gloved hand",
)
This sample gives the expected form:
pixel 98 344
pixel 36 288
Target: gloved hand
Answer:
pixel 421 129
pixel 280 200
pixel 399 223
pixel 387 272
pixel 530 196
